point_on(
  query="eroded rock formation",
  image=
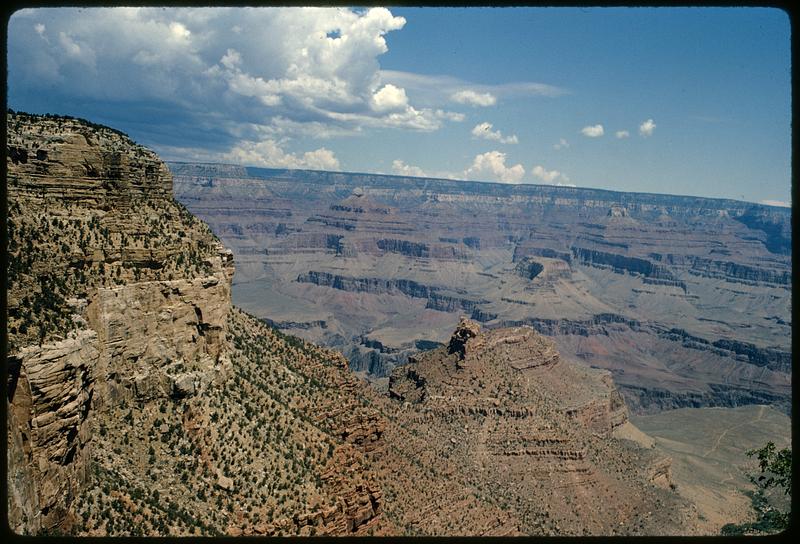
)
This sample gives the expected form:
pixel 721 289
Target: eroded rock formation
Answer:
pixel 123 348
pixel 530 431
pixel 115 295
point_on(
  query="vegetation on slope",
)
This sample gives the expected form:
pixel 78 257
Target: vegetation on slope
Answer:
pixel 775 474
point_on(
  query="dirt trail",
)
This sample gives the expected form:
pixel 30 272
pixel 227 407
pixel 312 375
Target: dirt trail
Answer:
pixel 724 432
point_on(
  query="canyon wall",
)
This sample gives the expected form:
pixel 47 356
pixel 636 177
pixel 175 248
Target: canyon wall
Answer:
pixel 121 312
pixel 377 265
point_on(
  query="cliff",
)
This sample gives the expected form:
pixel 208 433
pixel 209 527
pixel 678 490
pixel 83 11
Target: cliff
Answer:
pixel 123 344
pixel 116 294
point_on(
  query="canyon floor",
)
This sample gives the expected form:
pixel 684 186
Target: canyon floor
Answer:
pixel 708 449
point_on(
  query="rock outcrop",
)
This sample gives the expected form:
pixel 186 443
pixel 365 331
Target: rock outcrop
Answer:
pixel 124 346
pixel 115 293
pixel 532 432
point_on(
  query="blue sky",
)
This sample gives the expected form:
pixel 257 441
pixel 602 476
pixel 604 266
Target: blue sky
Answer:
pixel 686 101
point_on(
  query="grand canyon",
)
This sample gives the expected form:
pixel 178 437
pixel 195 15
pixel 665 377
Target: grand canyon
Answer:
pixel 240 351
pixel 687 301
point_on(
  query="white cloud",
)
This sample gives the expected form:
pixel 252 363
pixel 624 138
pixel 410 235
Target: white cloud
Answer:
pixel 450 115
pixel 232 72
pixel 436 90
pixel 268 153
pixel 492 165
pixel 484 130
pixel 71 48
pixel 231 60
pixel 179 33
pixel 551 176
pixel 473 98
pixel 620 134
pixel 403 169
pixel 592 131
pixel 781 203
pixel 389 97
pixel 647 128
pixel 562 144
pixel 424 120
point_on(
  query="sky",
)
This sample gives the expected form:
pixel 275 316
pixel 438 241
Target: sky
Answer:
pixel 693 101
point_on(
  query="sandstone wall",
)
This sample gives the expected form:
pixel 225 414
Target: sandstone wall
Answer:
pixel 138 316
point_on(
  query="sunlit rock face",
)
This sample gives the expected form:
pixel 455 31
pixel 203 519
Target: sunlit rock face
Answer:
pixel 116 295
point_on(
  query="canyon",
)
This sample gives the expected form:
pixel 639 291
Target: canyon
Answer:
pixel 142 401
pixel 685 300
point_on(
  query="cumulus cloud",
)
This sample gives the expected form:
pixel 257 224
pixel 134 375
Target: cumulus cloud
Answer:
pixel 403 169
pixel 620 134
pixel 592 131
pixel 647 128
pixel 269 153
pixel 484 130
pixel 224 74
pixel 389 97
pixel 473 98
pixel 492 165
pixel 553 177
pixel 562 144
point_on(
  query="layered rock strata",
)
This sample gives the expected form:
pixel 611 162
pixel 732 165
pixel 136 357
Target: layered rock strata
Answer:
pixel 124 346
pixel 530 432
pixel 399 259
pixel 104 308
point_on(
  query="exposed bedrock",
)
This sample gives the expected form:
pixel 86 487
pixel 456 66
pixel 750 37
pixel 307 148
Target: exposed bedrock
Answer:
pixel 616 261
pixel 777 231
pixel 552 327
pixel 531 423
pixel 148 312
pixel 652 397
pixel 646 400
pixel 404 247
pixel 726 270
pixel 435 299
pixel 49 417
pixel 668 243
pixel 657 273
pixel 523 250
pixel 732 271
pixel 529 269
pixel 774 359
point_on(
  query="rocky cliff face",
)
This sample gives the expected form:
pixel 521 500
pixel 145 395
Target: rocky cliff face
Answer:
pixel 123 344
pixel 103 307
